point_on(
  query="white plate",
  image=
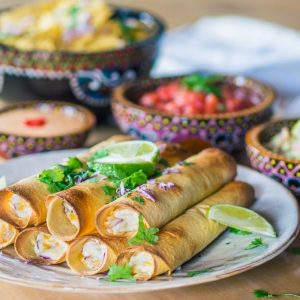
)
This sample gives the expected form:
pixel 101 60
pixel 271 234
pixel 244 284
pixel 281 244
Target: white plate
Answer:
pixel 226 256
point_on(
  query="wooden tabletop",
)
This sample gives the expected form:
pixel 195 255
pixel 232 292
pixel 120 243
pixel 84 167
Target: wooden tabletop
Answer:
pixel 282 274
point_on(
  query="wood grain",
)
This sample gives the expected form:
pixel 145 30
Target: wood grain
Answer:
pixel 281 274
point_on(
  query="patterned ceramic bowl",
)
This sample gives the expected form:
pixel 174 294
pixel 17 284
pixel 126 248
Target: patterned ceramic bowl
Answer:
pixel 282 169
pixel 89 76
pixel 31 127
pixel 223 130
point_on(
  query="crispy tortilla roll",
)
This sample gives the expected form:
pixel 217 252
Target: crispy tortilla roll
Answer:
pixel 22 204
pixel 36 245
pixel 169 195
pixel 92 254
pixel 185 236
pixel 8 234
pixel 71 213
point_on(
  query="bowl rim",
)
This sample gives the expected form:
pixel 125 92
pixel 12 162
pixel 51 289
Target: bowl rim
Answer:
pixel 119 96
pixel 161 26
pixel 89 124
pixel 252 139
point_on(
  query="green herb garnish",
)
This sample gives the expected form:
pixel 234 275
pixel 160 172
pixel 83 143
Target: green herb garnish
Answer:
pixel 206 84
pixel 119 272
pixel 144 234
pixel 138 199
pixel 258 242
pixel 294 250
pixel 127 32
pixel 196 273
pixel 265 294
pixel 110 191
pixel 134 180
pixel 239 232
pixel 98 154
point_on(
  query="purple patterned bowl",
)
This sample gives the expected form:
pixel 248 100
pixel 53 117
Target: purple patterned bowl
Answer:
pixel 88 76
pixel 32 127
pixel 223 130
pixel 281 168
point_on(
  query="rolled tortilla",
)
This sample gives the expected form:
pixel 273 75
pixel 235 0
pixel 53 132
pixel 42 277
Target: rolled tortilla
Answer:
pixel 92 254
pixel 71 213
pixel 8 234
pixel 22 204
pixel 169 196
pixel 37 246
pixel 185 236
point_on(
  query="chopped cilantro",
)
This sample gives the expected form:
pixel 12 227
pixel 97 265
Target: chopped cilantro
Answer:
pixel 138 199
pixel 258 242
pixel 135 179
pixel 109 191
pixel 98 154
pixel 144 234
pixel 239 232
pixel 74 163
pixel 265 294
pixel 196 273
pixel 120 272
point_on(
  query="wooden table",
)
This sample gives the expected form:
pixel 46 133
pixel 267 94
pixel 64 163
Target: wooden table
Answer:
pixel 281 274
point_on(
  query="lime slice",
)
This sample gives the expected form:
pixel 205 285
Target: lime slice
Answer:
pixel 240 218
pixel 295 131
pixel 129 156
pixel 2 182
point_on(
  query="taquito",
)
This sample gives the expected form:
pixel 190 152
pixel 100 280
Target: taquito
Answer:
pixel 8 234
pixel 36 245
pixel 185 236
pixel 22 204
pixel 169 195
pixel 71 213
pixel 92 254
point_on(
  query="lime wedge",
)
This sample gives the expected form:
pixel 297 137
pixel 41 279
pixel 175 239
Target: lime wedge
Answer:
pixel 295 131
pixel 2 182
pixel 129 156
pixel 240 218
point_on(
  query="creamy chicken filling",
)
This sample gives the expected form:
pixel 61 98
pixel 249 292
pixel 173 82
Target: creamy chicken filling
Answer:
pixel 7 232
pixel 48 247
pixel 71 214
pixel 20 207
pixel 142 263
pixel 122 221
pixel 93 254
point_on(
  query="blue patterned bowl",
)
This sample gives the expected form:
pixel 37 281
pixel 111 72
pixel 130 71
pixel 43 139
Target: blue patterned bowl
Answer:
pixel 224 130
pixel 279 167
pixel 88 76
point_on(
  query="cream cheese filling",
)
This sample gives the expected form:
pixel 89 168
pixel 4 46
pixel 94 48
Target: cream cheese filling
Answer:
pixel 122 221
pixel 7 232
pixel 71 214
pixel 48 247
pixel 93 254
pixel 141 263
pixel 20 207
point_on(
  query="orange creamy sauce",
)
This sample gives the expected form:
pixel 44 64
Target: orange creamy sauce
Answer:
pixel 57 121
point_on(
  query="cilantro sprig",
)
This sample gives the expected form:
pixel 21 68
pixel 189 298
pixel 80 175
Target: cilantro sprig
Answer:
pixel 110 191
pixel 258 242
pixel 98 154
pixel 138 199
pixel 239 232
pixel 264 294
pixel 62 177
pixel 144 234
pixel 120 272
pixel 207 84
pixel 196 273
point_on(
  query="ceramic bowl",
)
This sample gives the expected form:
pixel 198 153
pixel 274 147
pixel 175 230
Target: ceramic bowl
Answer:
pixel 279 167
pixel 223 130
pixel 88 76
pixel 12 145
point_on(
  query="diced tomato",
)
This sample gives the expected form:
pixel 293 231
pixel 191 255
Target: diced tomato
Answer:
pixel 36 122
pixel 149 99
pixel 211 104
pixel 166 92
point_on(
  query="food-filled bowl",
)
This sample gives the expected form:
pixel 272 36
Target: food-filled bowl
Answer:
pixel 263 143
pixel 225 130
pixel 32 127
pixel 89 75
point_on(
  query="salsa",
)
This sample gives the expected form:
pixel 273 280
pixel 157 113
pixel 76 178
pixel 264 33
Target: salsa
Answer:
pixel 198 94
pixel 287 142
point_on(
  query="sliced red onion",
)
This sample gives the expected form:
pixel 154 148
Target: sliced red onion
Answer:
pixel 121 190
pixel 151 182
pixel 167 185
pixel 146 192
pixel 44 257
pixel 79 179
pixel 170 171
pixel 117 221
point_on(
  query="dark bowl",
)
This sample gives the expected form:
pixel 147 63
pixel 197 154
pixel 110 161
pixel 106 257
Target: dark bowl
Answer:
pixel 279 167
pixel 222 130
pixel 12 145
pixel 89 76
